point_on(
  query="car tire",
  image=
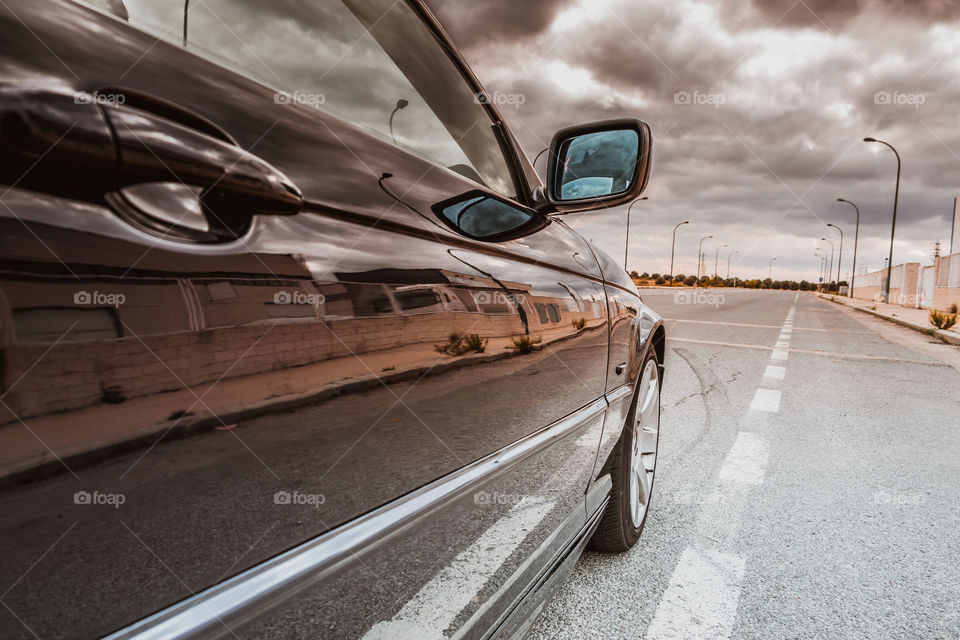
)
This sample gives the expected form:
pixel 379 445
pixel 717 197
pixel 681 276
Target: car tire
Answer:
pixel 622 521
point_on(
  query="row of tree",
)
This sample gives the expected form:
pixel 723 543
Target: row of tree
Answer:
pixel 711 281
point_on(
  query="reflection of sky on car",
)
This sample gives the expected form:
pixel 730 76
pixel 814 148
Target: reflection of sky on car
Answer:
pixel 483 217
pixel 587 188
pixel 598 164
pixel 320 55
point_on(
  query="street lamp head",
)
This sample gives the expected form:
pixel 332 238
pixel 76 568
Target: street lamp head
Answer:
pixel 869 139
pixel 685 222
pixel 842 200
pixel 830 224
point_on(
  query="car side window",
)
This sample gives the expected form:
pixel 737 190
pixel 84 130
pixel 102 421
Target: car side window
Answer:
pixel 373 63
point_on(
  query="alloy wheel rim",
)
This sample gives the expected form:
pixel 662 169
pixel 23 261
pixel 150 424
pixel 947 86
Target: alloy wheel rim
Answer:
pixel 643 461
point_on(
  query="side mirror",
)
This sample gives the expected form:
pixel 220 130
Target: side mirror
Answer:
pixel 601 164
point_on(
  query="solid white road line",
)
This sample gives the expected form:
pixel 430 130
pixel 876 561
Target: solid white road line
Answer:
pixel 775 372
pixel 766 400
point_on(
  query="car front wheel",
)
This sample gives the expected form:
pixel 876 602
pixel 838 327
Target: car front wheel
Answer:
pixel 633 466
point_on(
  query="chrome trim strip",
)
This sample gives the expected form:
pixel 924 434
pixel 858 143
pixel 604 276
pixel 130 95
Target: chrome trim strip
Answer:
pixel 619 393
pixel 215 610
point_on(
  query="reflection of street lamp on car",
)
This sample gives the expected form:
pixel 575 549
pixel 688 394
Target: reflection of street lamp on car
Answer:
pixel 401 103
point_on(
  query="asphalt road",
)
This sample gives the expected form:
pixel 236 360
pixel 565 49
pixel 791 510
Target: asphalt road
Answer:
pixel 825 504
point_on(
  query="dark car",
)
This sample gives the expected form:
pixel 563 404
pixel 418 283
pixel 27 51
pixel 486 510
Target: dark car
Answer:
pixel 294 341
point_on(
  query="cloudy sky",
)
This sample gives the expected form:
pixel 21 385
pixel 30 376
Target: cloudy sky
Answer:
pixel 758 110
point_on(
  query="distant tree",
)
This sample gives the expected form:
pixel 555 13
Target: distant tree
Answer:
pixel 661 280
pixel 634 275
pixel 690 281
pixel 655 276
pixel 644 276
pixel 679 277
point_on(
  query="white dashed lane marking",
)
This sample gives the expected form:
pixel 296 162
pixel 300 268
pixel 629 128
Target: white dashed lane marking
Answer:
pixel 774 372
pixel 766 400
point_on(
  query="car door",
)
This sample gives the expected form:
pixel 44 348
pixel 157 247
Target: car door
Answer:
pixel 237 248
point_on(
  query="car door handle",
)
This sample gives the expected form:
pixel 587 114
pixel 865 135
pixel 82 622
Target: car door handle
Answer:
pixel 112 145
pixel 621 368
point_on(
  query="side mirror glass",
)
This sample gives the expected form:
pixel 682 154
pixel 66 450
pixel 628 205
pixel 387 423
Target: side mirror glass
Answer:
pixel 480 216
pixel 599 164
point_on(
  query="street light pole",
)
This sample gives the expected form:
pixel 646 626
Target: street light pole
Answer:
pixel 673 246
pixel 716 259
pixel 856 237
pixel 770 271
pixel 830 270
pixel 700 256
pixel 626 244
pixel 401 104
pixel 839 255
pixel 893 225
pixel 823 262
pixel 728 263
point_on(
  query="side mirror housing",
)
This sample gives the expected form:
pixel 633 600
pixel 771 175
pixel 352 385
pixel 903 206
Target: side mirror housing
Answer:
pixel 598 165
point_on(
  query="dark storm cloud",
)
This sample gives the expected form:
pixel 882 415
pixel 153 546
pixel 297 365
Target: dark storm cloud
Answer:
pixel 492 20
pixel 799 85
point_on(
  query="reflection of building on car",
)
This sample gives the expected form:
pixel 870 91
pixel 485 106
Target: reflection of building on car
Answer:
pixel 199 323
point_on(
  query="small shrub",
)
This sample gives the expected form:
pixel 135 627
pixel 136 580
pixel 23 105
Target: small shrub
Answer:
pixel 452 342
pixel 458 344
pixel 390 368
pixel 942 319
pixel 660 280
pixel 579 324
pixel 473 342
pixel 524 344
pixel 953 308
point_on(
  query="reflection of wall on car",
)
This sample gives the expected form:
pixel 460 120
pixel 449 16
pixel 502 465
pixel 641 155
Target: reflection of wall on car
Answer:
pixel 69 339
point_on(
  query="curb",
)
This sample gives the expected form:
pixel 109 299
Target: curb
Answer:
pixel 948 337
